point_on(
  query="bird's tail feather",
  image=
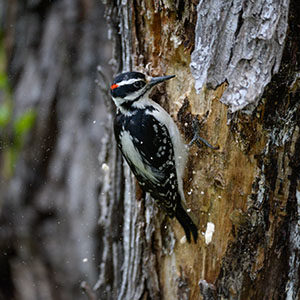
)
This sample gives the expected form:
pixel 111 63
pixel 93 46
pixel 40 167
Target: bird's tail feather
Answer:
pixel 187 223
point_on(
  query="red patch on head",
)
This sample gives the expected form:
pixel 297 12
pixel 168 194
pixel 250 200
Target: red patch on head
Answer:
pixel 112 87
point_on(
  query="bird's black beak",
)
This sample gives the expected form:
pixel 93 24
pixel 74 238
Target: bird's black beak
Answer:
pixel 156 80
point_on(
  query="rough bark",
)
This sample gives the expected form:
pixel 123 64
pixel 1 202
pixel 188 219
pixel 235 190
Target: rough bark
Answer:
pixel 248 189
pixel 49 239
pixel 246 54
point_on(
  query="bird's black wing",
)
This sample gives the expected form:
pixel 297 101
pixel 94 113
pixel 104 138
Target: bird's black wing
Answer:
pixel 152 142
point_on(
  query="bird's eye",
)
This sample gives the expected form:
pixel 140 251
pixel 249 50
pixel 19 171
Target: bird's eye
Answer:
pixel 138 84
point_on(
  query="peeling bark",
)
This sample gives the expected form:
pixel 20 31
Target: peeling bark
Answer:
pixel 246 54
pixel 247 188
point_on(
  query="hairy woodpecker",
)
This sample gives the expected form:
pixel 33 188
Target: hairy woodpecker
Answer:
pixel 151 144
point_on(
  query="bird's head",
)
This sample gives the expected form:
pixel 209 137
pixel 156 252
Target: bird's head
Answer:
pixel 130 87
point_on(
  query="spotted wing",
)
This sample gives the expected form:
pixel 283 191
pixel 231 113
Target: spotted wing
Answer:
pixel 150 155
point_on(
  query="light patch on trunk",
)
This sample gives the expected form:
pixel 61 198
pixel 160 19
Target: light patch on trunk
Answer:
pixel 210 229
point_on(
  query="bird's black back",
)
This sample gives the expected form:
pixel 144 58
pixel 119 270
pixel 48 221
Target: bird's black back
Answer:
pixel 153 143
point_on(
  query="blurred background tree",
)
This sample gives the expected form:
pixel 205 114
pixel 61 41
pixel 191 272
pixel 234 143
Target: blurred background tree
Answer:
pixel 51 125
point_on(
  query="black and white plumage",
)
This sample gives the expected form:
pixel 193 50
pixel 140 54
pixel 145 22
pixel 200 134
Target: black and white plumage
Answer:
pixel 151 144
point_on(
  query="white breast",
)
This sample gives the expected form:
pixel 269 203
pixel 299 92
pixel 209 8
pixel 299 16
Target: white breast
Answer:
pixel 134 156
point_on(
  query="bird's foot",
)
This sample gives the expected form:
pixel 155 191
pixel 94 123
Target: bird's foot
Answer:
pixel 197 138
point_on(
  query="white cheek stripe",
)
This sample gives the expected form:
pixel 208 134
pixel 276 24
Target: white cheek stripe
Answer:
pixel 130 81
pixel 135 95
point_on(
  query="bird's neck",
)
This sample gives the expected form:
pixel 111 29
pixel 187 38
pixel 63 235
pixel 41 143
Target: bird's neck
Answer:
pixel 130 106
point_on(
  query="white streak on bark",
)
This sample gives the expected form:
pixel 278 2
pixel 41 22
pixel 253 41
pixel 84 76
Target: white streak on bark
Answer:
pixel 125 31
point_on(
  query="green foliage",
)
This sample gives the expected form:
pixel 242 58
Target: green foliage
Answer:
pixel 13 132
pixel 12 136
pixel 5 114
pixel 24 123
pixel 3 80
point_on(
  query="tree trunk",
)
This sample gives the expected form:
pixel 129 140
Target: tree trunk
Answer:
pixel 49 236
pixel 237 69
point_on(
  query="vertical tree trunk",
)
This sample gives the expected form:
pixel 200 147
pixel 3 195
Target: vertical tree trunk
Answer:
pixel 237 69
pixel 245 195
pixel 49 239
